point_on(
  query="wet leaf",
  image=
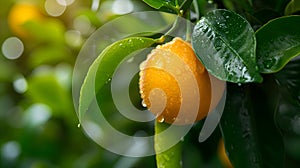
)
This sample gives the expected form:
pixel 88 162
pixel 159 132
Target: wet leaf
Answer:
pixel 247 125
pixel 225 43
pixel 104 66
pixel 278 42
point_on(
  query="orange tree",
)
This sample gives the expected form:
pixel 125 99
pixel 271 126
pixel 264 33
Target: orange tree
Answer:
pixel 253 46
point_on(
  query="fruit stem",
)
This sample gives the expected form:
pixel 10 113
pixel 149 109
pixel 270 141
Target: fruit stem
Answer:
pixel 188 28
pixel 162 38
pixel 170 158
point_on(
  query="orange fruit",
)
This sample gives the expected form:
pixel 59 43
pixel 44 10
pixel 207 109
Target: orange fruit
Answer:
pixel 168 67
pixel 21 13
pixel 223 156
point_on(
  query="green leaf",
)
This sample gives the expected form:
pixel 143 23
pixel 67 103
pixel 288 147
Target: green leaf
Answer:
pixel 288 111
pixel 170 158
pixel 157 4
pixel 104 66
pixel 225 43
pixel 289 78
pixel 292 7
pixel 278 42
pixel 250 135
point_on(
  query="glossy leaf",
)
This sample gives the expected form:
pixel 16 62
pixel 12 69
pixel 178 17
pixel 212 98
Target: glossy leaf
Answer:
pixel 104 66
pixel 225 43
pixel 292 7
pixel 250 135
pixel 277 43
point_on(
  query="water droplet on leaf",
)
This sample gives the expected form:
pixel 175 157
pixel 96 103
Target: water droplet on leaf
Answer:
pixel 269 63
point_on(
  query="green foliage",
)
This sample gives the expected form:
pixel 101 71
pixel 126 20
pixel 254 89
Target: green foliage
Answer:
pixel 225 43
pixel 292 7
pixel 247 125
pixel 260 124
pixel 277 43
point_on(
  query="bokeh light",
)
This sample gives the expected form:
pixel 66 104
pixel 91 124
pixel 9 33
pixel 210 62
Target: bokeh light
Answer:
pixel 20 84
pixel 55 8
pixel 12 48
pixel 122 7
pixel 73 38
pixel 37 114
pixel 10 150
pixel 83 24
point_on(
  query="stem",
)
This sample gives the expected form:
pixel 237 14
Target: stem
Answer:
pixel 188 28
pixel 176 3
pixel 172 28
pixel 170 158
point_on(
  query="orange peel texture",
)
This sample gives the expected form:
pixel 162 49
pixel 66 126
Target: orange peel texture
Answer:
pixel 152 78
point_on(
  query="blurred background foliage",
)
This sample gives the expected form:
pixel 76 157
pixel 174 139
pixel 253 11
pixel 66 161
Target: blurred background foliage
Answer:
pixel 40 41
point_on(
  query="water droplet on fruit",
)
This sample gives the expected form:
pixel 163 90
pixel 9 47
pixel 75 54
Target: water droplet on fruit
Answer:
pixel 144 104
pixel 160 119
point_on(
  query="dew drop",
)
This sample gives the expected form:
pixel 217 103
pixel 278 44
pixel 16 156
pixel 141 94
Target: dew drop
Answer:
pixel 160 119
pixel 269 63
pixel 144 104
pixel 239 84
pixel 182 139
pixel 143 65
pixel 79 125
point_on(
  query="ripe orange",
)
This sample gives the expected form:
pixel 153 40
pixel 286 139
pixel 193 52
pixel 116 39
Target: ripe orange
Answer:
pixel 21 13
pixel 223 156
pixel 167 93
